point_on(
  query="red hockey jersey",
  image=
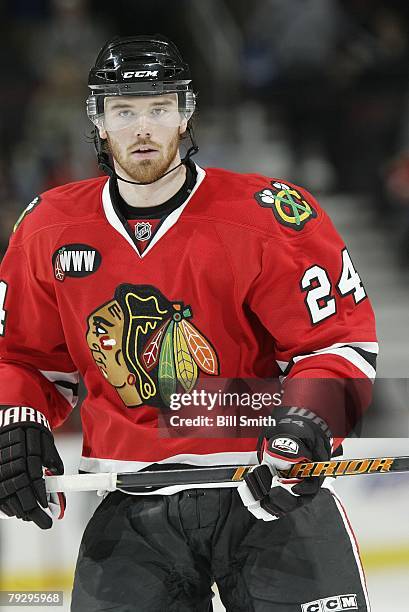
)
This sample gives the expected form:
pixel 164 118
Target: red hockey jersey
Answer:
pixel 247 279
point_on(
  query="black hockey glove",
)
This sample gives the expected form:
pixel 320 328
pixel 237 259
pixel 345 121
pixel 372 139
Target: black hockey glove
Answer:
pixel 298 436
pixel 26 446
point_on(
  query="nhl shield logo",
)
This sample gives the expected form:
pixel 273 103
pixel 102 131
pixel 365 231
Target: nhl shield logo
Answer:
pixel 143 231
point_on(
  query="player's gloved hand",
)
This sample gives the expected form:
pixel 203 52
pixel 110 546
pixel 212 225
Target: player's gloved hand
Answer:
pixel 26 447
pixel 298 436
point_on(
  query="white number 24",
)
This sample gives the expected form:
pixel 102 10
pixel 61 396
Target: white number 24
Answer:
pixel 319 300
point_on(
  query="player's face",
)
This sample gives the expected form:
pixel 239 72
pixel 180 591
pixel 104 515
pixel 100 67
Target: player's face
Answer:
pixel 143 134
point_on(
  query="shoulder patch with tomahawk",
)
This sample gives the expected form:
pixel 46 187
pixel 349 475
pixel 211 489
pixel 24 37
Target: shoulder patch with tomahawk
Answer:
pixel 288 205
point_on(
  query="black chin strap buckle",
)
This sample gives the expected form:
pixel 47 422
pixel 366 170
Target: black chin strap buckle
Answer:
pixel 104 164
pixel 189 153
pixel 193 149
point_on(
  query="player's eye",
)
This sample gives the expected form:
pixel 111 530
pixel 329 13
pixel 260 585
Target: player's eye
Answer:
pixel 125 114
pixel 159 111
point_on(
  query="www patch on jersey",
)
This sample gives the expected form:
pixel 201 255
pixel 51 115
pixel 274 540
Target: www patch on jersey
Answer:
pixel 76 261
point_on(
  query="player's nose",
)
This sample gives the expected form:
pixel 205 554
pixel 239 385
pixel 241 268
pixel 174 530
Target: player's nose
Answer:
pixel 142 126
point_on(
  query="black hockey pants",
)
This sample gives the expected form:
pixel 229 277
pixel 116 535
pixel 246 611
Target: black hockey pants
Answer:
pixel 163 553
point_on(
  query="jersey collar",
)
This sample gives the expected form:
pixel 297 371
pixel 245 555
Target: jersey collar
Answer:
pixel 169 222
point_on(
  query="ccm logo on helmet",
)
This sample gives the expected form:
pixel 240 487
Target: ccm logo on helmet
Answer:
pixel 140 73
pixel 338 603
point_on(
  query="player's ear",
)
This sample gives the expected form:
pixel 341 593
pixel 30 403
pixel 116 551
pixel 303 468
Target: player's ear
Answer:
pixel 183 126
pixel 102 132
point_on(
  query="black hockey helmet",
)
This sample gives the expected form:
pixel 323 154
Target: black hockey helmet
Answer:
pixel 139 65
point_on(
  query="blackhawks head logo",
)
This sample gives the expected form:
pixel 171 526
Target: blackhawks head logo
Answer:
pixel 146 345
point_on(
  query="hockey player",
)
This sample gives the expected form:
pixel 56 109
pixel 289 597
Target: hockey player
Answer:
pixel 151 282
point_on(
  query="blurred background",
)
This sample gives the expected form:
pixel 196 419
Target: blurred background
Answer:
pixel 312 91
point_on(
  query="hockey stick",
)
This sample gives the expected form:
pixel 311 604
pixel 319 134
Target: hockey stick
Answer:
pixel 150 481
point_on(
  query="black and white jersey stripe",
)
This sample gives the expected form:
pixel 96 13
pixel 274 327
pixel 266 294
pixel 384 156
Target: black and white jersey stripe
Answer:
pixel 361 354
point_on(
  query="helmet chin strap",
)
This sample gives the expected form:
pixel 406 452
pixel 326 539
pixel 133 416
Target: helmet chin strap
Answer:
pixel 105 165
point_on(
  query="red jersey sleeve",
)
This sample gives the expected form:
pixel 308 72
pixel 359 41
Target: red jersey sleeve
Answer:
pixel 311 299
pixel 35 367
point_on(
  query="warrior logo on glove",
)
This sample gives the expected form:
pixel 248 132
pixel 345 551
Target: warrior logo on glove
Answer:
pixel 145 345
